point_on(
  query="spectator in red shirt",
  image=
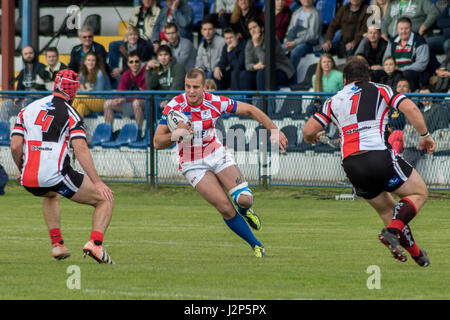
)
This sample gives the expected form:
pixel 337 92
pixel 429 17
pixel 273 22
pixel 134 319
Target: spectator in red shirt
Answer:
pixel 282 18
pixel 132 79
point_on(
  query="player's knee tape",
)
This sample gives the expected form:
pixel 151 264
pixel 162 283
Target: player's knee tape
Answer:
pixel 239 190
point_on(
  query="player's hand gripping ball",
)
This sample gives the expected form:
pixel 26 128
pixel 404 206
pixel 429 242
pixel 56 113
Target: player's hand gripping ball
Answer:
pixel 174 117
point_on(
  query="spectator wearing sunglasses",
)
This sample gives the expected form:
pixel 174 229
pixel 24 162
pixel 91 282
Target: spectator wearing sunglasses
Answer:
pixel 132 79
pixel 86 36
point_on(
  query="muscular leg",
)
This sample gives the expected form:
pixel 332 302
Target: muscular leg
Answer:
pixel 52 213
pixel 88 194
pixel 211 190
pixel 231 177
pixel 384 205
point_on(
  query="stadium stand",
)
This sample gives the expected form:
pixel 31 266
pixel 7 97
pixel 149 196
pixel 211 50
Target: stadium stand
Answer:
pixel 4 133
pixel 102 134
pixel 128 134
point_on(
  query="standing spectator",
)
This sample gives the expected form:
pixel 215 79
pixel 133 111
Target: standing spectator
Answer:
pixel 328 77
pixel 86 36
pixel 46 77
pixel 182 49
pixel 232 61
pixel 133 43
pixel 441 43
pixel 243 12
pixel 93 77
pixel 223 9
pixel 178 12
pixel 164 74
pixel 282 18
pixel 303 33
pixel 351 19
pixel 422 13
pixel 143 17
pixel 435 117
pixel 208 54
pixel 372 47
pixel 410 51
pixel 254 76
pixel 26 81
pixel 132 79
pixel 390 75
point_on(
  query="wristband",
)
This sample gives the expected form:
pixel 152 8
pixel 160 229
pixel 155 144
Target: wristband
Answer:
pixel 425 135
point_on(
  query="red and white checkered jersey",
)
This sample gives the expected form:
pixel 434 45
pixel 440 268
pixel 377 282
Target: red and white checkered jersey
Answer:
pixel 361 112
pixel 47 125
pixel 203 118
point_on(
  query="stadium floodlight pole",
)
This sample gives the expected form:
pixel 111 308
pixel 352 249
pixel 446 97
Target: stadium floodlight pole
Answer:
pixel 269 74
pixel 7 38
pixel 26 23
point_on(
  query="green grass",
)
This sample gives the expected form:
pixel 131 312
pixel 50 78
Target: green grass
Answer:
pixel 171 244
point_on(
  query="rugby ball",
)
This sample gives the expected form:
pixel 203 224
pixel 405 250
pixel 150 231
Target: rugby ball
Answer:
pixel 173 118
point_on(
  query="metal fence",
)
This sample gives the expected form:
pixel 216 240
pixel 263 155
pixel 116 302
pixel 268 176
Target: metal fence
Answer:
pixel 303 164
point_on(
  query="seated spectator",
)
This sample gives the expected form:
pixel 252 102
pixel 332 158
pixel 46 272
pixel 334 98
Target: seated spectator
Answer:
pixel 441 80
pixel 410 51
pixel 243 12
pixel 282 19
pixel 397 120
pixel 209 51
pixel 93 77
pixel 86 36
pixel 133 43
pixel 382 5
pixel 165 73
pixel 373 47
pixel 26 81
pixel 441 43
pixel 182 49
pixel 232 61
pixel 223 10
pixel 46 77
pixel 303 32
pixel 351 19
pixel 254 76
pixel 390 75
pixel 143 17
pixel 435 117
pixel 422 13
pixel 210 85
pixel 178 12
pixel 328 77
pixel 132 80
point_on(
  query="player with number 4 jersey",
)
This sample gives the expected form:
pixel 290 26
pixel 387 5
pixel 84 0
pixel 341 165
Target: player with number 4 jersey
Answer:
pixel 360 112
pixel 40 149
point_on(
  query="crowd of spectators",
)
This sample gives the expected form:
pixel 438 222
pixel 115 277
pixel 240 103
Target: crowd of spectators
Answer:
pixel 400 40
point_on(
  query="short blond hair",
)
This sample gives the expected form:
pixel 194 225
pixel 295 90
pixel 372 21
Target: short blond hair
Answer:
pixel 195 73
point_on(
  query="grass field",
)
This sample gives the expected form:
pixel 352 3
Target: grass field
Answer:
pixel 170 244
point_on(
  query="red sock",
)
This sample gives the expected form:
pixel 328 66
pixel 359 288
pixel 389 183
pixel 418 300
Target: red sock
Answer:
pixel 97 237
pixel 56 236
pixel 414 251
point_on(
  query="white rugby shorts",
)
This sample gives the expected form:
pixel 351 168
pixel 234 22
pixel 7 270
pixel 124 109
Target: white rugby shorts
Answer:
pixel 215 162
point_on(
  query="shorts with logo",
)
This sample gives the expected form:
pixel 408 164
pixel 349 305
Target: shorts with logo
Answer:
pixel 376 171
pixel 215 162
pixel 71 182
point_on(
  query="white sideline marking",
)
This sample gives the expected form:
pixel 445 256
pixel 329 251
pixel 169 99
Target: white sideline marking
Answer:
pixel 154 295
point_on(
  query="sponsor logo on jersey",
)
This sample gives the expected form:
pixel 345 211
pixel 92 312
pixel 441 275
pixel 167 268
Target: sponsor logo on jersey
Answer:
pixel 38 148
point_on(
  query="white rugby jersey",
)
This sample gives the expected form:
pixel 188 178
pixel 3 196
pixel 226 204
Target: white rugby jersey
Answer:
pixel 47 125
pixel 361 112
pixel 203 118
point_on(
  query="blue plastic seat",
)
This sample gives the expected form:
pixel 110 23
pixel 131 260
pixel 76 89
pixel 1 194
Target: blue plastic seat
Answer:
pixel 327 10
pixel 4 133
pixel 199 11
pixel 141 144
pixel 128 134
pixel 102 134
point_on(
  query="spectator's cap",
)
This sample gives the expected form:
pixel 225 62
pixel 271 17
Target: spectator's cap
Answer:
pixel 67 82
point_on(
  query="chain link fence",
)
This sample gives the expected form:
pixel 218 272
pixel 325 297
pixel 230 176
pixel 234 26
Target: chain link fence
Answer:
pixel 303 164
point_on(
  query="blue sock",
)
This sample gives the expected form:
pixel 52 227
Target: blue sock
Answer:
pixel 239 226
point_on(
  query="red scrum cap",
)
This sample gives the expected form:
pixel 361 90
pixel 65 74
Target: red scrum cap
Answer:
pixel 67 81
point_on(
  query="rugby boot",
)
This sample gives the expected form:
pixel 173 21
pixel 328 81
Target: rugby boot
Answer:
pixel 251 217
pixel 59 251
pixel 422 260
pixel 392 242
pixel 259 251
pixel 98 253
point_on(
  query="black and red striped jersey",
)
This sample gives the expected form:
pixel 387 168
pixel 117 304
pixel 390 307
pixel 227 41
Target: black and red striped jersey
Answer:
pixel 361 112
pixel 47 125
